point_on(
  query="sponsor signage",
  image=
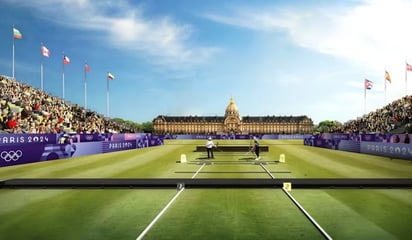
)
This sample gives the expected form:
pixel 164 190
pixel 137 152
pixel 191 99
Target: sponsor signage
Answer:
pixel 20 154
pixel 392 150
pixel 387 145
pixel 26 138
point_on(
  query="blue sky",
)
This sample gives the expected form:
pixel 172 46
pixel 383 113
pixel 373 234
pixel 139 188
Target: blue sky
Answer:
pixel 190 57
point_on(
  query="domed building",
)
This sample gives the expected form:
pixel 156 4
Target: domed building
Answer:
pixel 232 123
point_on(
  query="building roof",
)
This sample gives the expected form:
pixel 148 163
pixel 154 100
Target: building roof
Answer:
pixel 247 119
pixel 232 109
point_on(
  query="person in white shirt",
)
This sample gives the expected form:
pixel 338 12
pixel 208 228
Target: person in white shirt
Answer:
pixel 209 147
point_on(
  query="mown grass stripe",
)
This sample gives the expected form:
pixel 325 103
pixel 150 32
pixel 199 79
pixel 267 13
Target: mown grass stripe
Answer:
pixel 141 235
pixel 311 219
pixel 165 208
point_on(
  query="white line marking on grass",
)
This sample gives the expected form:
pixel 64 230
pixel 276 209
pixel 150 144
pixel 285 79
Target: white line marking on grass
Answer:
pixel 159 215
pixel 197 172
pixel 268 172
pixel 324 233
pixel 165 208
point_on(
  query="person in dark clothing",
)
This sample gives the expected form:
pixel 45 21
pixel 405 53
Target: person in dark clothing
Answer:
pixel 407 139
pixel 397 139
pixel 256 147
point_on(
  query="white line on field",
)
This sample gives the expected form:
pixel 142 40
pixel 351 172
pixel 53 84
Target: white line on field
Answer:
pixel 159 215
pixel 324 233
pixel 267 171
pixel 165 208
pixel 204 164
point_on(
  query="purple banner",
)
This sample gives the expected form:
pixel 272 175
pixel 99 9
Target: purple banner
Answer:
pixel 376 137
pixel 118 146
pixel 285 136
pixel 394 146
pixel 87 148
pixel 57 151
pixel 20 154
pixel 29 138
pixel 237 136
pixel 349 146
pixel 91 137
pixel 71 145
pixel 393 150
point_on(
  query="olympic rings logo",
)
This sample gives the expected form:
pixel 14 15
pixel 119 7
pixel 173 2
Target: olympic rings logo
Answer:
pixel 11 155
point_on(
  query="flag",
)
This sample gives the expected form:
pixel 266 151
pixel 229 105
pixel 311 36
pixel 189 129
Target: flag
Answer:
pixel 408 67
pixel 110 76
pixel 86 68
pixel 17 34
pixel 387 76
pixel 368 84
pixel 66 60
pixel 45 52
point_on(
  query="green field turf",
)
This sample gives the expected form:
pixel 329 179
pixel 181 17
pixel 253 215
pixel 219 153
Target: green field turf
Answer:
pixel 209 213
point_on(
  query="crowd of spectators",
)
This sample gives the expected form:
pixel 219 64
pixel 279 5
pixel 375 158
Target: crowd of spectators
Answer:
pixel 394 116
pixel 25 109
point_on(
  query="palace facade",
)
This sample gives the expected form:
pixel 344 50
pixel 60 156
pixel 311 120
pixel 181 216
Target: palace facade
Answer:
pixel 232 123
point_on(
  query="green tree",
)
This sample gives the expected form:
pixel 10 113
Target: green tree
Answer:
pixel 327 126
pixel 147 127
pixel 133 126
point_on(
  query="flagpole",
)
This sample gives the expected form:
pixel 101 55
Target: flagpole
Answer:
pixel 41 67
pixel 406 77
pixel 364 97
pixel 85 85
pixel 107 98
pixel 385 87
pixel 63 76
pixel 12 64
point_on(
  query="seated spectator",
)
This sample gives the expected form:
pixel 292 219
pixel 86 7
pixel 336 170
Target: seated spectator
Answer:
pixel 12 123
pixel 396 139
pixel 30 105
pixel 407 140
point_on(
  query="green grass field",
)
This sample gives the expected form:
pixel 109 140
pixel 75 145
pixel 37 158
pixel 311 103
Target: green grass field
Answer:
pixel 209 213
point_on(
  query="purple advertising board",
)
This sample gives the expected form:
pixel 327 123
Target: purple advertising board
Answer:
pixel 388 145
pixel 27 138
pixel 20 154
pixel 237 136
pixel 392 150
pixel 29 148
pixel 118 146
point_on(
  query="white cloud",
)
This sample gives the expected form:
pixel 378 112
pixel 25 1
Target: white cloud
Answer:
pixel 372 35
pixel 161 39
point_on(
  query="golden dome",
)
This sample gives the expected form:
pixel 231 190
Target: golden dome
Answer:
pixel 232 109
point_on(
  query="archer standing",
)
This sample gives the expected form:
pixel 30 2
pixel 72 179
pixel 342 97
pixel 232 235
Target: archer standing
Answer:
pixel 209 147
pixel 256 147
